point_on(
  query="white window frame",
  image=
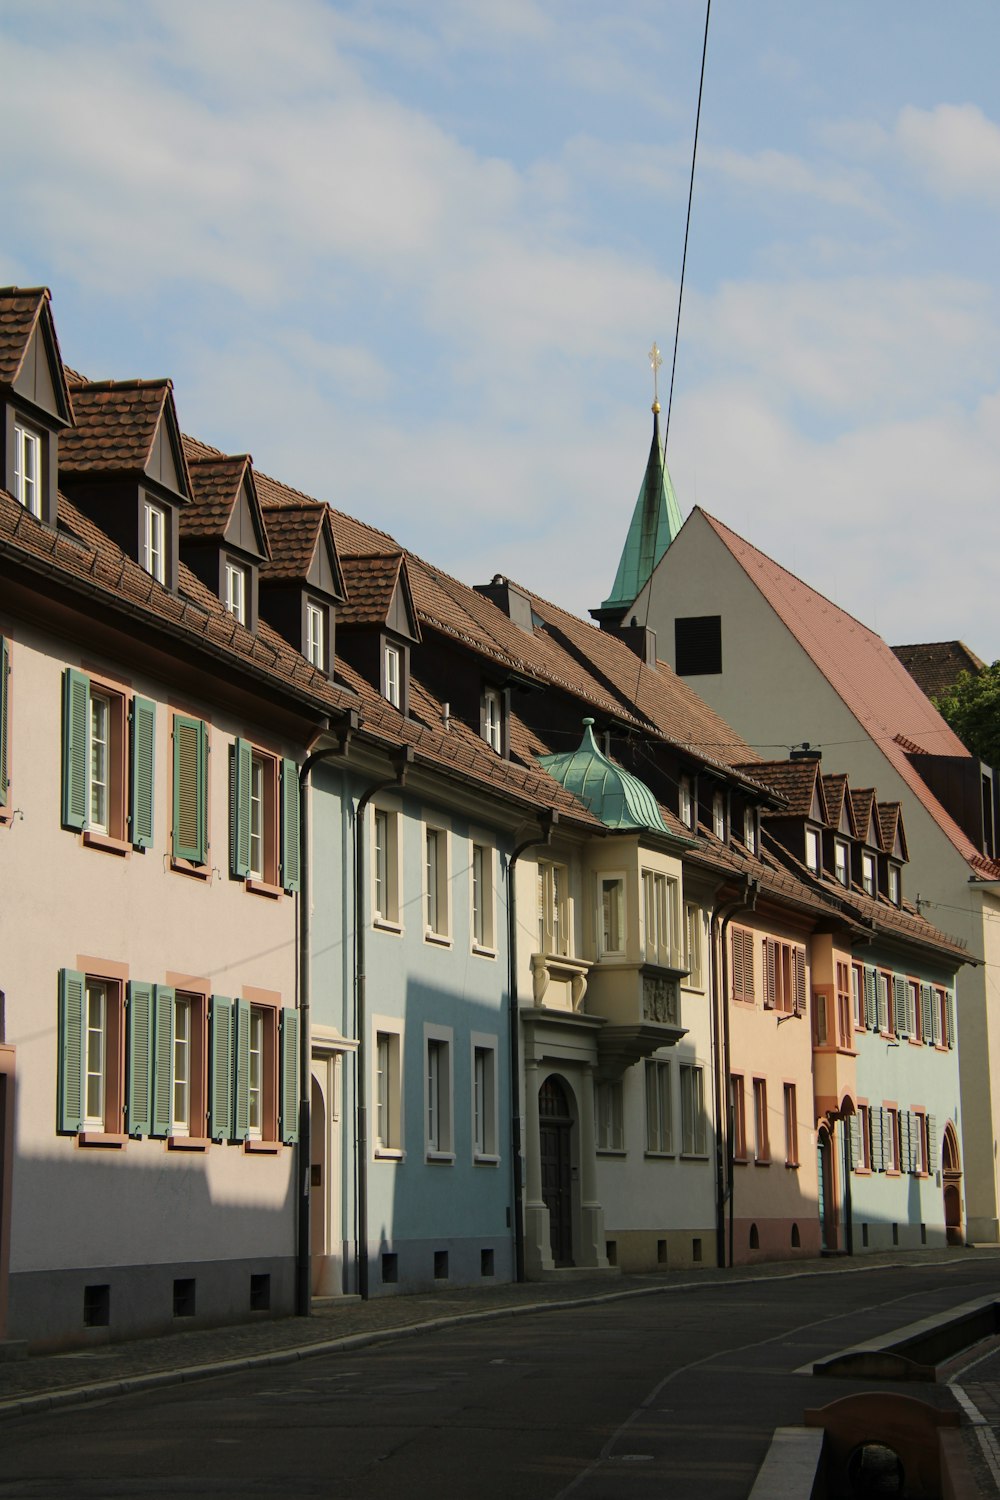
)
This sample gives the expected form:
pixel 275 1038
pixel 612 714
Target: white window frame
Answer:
pixel 685 800
pixel 814 856
pixel 387 1088
pixel 609 1116
pixel 719 816
pixel 750 829
pixel 611 882
pixel 761 1123
pixel 28 469
pixel 482 897
pixel 554 918
pixel 237 590
pixel 99 753
pixel 439 1094
pixel 694 1134
pixel 154 540
pixel 256 1073
pixel 258 818
pixel 387 867
pixel 694 939
pixel 869 874
pixel 181 1060
pixel 437 883
pixel 895 884
pixel 316 635
pixel 659 1107
pixel 493 719
pixel 392 671
pixel 484 1095
pixel 841 862
pixel 659 918
pixel 95 1054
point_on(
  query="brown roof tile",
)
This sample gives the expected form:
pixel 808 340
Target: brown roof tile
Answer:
pixel 20 308
pixel 371 583
pixel 863 803
pixel 293 532
pixel 935 666
pixel 795 780
pixel 215 488
pixel 834 793
pixel 116 422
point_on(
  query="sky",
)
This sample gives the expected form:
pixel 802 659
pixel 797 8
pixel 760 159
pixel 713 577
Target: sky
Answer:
pixel 411 255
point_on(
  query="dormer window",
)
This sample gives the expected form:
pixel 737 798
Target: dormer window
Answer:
pixel 316 635
pixel 685 802
pixel 28 469
pixel 492 719
pixel 812 851
pixel 236 591
pixel 391 674
pixel 719 816
pixel 840 863
pixel 154 541
pixel 750 830
pixel 869 878
pixel 895 892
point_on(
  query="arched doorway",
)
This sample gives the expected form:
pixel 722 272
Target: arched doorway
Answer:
pixel 951 1170
pixel 826 1190
pixel 555 1130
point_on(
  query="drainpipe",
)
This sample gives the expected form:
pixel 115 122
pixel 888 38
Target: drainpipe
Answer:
pixel 546 819
pixel 400 761
pixel 303 1249
pixel 723 915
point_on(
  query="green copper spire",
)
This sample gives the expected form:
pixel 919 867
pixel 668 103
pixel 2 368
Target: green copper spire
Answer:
pixel 619 799
pixel 656 520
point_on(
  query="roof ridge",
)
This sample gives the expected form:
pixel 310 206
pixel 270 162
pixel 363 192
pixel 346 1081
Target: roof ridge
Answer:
pixel 137 383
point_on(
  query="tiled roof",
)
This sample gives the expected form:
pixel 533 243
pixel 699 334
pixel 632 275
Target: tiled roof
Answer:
pixel 116 422
pixel 936 665
pixel 20 310
pixel 863 803
pixel 889 814
pixel 795 779
pixel 873 684
pixel 215 488
pixel 293 532
pixel 834 792
pixel 371 582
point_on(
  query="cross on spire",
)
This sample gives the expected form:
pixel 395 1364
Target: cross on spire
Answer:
pixel 655 360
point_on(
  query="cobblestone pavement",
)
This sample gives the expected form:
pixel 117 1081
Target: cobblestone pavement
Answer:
pixel 42 1381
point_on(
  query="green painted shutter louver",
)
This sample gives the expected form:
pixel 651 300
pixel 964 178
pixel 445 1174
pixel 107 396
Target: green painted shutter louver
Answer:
pixel 75 747
pixel 855 1133
pixel 140 1057
pixel 241 774
pixel 949 1017
pixel 800 981
pixel 878 1158
pixel 163 1060
pixel 769 977
pixel 190 832
pixel 72 1002
pixel 927 1013
pixel 289 1075
pixel 932 1143
pixel 290 861
pixel 220 1102
pixel 241 1060
pixel 883 1003
pixel 900 1004
pixel 904 1141
pixel 4 670
pixel 143 748
pixel 871 998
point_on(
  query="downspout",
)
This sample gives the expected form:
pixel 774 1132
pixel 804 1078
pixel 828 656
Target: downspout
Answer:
pixel 720 981
pixel 303 1248
pixel 400 761
pixel 546 819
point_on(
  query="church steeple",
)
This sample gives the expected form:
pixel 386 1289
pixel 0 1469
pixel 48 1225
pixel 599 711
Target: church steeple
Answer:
pixel 656 520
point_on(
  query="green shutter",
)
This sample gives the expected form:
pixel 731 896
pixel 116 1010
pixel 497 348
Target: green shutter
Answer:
pixel 927 1013
pixel 76 740
pixel 163 1059
pixel 855 1134
pixel 290 863
pixel 800 981
pixel 932 1143
pixel 900 1005
pixel 143 749
pixel 220 1103
pixel 882 990
pixel 72 1003
pixel 4 669
pixel 190 830
pixel 871 999
pixel 949 1016
pixel 241 772
pixel 878 1144
pixel 140 1057
pixel 241 1060
pixel 904 1140
pixel 289 1076
pixel 769 977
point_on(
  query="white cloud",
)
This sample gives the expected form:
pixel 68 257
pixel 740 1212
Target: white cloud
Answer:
pixel 956 147
pixel 780 172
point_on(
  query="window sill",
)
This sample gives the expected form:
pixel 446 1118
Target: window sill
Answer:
pixel 792 1166
pixel 862 1171
pixel 103 1139
pixel 741 1161
pixel 185 867
pixel 262 1148
pixel 439 939
pixel 618 1151
pixel 389 1153
pixel 188 1143
pixel 385 924
pixel 258 887
pixel 481 952
pixel 694 1156
pixel 762 1161
pixel 94 840
pixel 485 1159
pixel 659 1155
pixel 445 1158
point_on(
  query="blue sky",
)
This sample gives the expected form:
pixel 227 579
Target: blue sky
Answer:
pixel 411 256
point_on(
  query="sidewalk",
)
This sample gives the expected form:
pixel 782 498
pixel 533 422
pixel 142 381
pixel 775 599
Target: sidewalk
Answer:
pixel 42 1382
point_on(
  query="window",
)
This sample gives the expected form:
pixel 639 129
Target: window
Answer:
pixel 174 1026
pixel 484 1099
pixel 437 1093
pixel 692 1110
pixel 737 1105
pixel 108 761
pixel 694 934
pixel 762 1148
pixel 181 1093
pixel 154 541
pixel 743 978
pixel 316 635
pixel 392 675
pixel 784 977
pixel 236 591
pixel 492 723
pixel 895 893
pixel 612 915
pixel 189 833
pixel 840 862
pixel 750 829
pixel 791 1127
pixel 861 1139
pixel 91 1042
pixel 919 1143
pixel 885 1015
pixel 659 1135
pixel 608 1116
pixel 858 997
pixel 821 1021
pixel 553 920
pixel 4 728
pixel 658 901
pixel 685 801
pixel 483 900
pixel 28 469
pixel 436 883
pixel 385 867
pixel 698 645
pixel 266 1074
pixel 914 1011
pixel 388 1093
pixel 264 822
pixel 719 815
pixel 844 1005
pixel 892 1140
pixel 868 874
pixel 812 851
pixel 947 1003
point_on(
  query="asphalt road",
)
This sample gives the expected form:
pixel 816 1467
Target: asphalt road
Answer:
pixel 669 1395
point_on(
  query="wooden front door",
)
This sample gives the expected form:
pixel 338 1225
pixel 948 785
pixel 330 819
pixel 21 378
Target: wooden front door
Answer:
pixel 555 1127
pixel 825 1186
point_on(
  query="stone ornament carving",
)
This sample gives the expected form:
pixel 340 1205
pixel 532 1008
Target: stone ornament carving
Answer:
pixel 659 1000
